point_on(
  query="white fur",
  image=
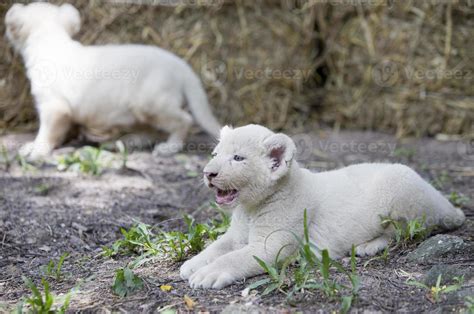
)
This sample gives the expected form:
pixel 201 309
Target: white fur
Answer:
pixel 106 90
pixel 344 206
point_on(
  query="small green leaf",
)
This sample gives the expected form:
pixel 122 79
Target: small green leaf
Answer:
pixel 346 304
pixel 451 288
pixel 417 284
pixel 126 282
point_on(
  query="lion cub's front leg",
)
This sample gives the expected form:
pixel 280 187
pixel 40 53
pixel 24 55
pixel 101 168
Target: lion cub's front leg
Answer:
pixel 240 263
pixel 55 121
pixel 219 247
pixel 235 238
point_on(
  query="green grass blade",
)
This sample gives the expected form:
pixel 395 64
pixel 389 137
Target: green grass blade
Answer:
pixel 259 283
pixel 326 264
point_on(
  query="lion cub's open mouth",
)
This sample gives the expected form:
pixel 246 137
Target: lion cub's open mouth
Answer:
pixel 226 197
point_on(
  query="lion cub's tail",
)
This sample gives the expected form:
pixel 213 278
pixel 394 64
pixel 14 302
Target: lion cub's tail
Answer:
pixel 197 102
pixel 454 218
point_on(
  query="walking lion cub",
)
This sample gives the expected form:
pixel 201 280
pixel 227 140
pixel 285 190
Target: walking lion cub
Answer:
pixel 106 90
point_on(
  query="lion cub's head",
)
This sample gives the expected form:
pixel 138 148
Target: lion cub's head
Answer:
pixel 22 21
pixel 247 164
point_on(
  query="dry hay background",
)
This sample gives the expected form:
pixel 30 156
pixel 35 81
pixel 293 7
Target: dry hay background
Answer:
pixel 403 66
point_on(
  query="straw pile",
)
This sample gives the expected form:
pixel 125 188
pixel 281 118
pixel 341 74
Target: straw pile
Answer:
pixel 406 66
pixel 294 63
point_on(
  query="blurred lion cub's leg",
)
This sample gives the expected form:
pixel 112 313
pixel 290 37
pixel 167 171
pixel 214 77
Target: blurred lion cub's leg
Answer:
pixel 55 122
pixel 176 122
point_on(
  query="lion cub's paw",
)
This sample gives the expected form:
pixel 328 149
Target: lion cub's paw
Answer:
pixel 167 149
pixel 191 266
pixel 32 152
pixel 26 149
pixel 209 277
pixel 372 247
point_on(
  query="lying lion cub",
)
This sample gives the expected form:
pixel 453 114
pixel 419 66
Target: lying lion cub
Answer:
pixel 254 172
pixel 107 90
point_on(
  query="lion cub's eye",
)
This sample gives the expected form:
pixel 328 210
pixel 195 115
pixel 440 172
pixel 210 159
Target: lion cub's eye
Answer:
pixel 238 158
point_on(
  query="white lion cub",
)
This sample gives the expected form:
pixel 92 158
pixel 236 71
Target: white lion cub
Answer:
pixel 104 89
pixel 254 173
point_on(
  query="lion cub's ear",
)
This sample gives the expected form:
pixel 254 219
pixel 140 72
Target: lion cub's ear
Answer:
pixel 70 18
pixel 224 131
pixel 14 22
pixel 281 150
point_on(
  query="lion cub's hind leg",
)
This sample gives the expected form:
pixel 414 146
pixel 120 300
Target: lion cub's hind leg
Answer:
pixel 374 246
pixel 176 122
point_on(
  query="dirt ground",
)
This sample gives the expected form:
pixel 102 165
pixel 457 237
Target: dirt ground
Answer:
pixel 44 213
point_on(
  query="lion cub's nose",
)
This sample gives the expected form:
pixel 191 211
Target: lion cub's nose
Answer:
pixel 210 175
